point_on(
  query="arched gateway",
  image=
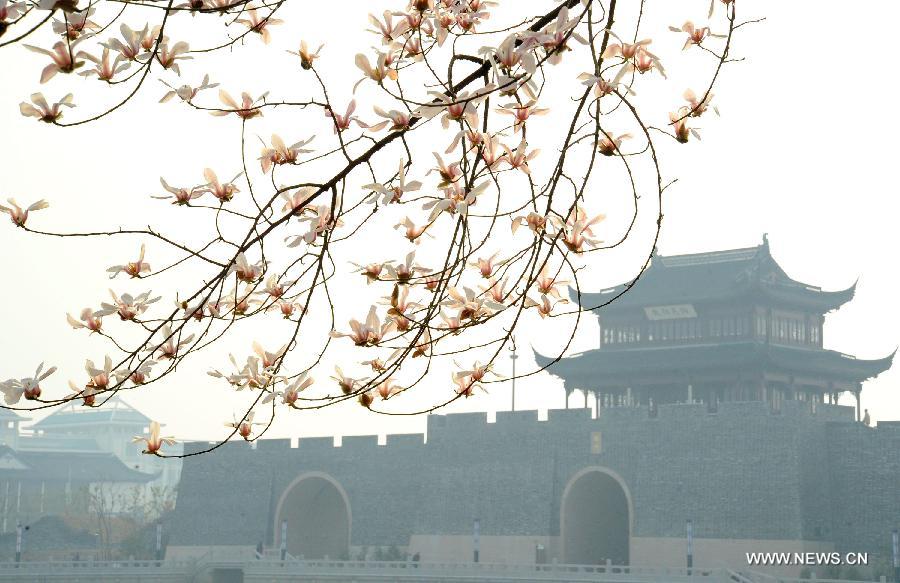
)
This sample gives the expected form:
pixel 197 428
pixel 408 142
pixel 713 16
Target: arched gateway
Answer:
pixel 317 512
pixel 595 518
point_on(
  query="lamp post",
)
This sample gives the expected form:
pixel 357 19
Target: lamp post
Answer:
pixel 895 539
pixel 159 541
pixel 513 357
pixel 689 527
pixel 476 535
pixel 18 541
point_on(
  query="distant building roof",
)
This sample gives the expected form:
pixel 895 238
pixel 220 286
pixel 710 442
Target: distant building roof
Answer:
pixel 74 415
pixel 718 275
pixel 10 415
pixel 61 466
pixel 58 443
pixel 593 367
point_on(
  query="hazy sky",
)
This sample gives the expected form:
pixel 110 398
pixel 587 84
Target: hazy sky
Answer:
pixel 803 151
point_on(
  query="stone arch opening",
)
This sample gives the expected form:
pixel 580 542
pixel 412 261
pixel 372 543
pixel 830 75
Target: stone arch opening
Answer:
pixel 317 512
pixel 595 519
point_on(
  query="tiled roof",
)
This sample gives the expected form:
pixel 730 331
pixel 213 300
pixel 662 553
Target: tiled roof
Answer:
pixel 719 275
pixel 114 412
pixel 590 368
pixel 61 466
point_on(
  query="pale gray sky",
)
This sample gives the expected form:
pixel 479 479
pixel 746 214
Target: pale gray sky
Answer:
pixel 803 151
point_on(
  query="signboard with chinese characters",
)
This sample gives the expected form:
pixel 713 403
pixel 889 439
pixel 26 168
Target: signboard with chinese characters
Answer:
pixel 673 312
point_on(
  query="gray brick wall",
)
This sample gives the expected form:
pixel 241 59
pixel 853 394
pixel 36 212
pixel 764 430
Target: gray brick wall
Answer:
pixel 741 472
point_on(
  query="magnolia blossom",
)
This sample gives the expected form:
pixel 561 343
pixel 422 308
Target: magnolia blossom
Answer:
pixel 28 387
pixel 496 290
pixel 695 35
pixel 545 306
pixel 154 442
pixel 405 271
pixel 449 173
pixel 10 11
pixel 387 389
pixel 133 269
pixel 366 399
pixel 508 55
pixel 678 120
pixel 456 200
pixel 424 345
pixel 347 384
pixel 400 305
pixel 413 231
pixel 130 48
pixel 275 288
pixel 246 110
pixel 372 271
pixel 75 24
pixel 369 333
pixel 292 392
pixel 168 56
pixel 64 60
pixel 243 376
pixel 244 270
pixel 535 222
pixel 320 221
pixel 478 371
pixel 465 385
pixel 140 375
pixel 287 308
pixel 279 153
pixel 471 306
pixel 602 87
pixel 393 194
pixel 521 113
pixel 186 93
pixel 223 192
pixel 170 346
pixel 625 50
pixel 89 319
pixel 100 377
pixel 462 108
pixel 244 427
pixel 266 358
pixel 103 69
pixel 578 231
pixel 87 393
pixel 17 214
pixel 556 36
pixel 485 266
pixel 490 151
pixel 296 201
pixel 180 196
pixel 398 120
pixel 39 108
pixel 69 6
pixel 342 122
pixel 712 5
pixel 128 307
pixel 259 25
pixel 306 57
pixel 699 107
pixel 609 145
pixel 378 72
pixel 547 284
pixel 519 158
pixel 386 28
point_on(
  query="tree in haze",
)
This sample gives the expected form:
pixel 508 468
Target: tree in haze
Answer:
pixel 384 234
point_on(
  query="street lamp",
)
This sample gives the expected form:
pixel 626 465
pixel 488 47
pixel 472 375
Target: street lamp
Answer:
pixel 513 357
